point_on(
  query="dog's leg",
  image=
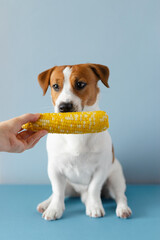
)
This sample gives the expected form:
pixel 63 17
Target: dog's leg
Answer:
pixel 56 206
pixel 43 205
pixel 69 192
pixel 92 198
pixel 84 197
pixel 117 186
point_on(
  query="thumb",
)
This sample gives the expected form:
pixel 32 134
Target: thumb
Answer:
pixel 29 117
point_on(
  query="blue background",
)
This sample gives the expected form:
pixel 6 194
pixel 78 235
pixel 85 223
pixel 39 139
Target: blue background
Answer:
pixel 20 220
pixel 124 35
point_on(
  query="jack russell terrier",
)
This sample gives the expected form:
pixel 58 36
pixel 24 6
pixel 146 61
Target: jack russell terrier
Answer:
pixel 82 164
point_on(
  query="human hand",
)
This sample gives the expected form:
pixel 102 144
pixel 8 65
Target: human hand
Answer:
pixel 13 139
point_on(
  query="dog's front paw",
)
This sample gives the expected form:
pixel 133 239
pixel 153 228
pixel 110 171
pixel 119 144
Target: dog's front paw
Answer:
pixel 52 213
pixel 123 211
pixel 95 211
pixel 42 206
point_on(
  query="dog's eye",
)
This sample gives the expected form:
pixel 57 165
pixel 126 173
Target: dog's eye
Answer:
pixel 80 85
pixel 56 87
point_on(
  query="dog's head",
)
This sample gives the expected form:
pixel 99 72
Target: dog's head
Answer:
pixel 74 86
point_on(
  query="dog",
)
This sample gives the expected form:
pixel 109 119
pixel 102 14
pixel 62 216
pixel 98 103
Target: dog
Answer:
pixel 81 164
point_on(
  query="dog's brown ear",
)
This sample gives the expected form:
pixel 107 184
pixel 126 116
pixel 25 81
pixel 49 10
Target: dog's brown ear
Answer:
pixel 44 79
pixel 101 72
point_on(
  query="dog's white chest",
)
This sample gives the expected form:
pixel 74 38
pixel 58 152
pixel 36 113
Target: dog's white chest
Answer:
pixel 77 156
pixel 78 169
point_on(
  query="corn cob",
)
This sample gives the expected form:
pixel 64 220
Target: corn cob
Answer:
pixel 70 122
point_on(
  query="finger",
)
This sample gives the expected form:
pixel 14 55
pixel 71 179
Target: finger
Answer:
pixel 35 143
pixel 29 117
pixel 19 121
pixel 34 137
pixel 25 134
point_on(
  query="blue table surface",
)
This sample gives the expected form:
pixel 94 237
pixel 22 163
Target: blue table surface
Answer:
pixel 20 220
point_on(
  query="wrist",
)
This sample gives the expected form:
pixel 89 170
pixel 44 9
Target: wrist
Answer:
pixel 4 140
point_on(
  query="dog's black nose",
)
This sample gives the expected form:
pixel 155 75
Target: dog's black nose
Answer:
pixel 66 107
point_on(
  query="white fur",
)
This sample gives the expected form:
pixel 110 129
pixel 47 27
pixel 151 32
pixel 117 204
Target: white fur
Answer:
pixel 82 164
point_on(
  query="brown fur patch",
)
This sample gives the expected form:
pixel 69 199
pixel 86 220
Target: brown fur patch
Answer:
pixel 44 79
pixel 57 77
pixel 83 73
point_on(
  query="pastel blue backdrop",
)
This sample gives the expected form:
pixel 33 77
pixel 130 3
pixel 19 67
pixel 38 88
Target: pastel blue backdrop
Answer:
pixel 124 35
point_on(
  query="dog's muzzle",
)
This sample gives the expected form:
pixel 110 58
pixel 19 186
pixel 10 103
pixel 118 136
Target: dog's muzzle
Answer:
pixel 66 107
